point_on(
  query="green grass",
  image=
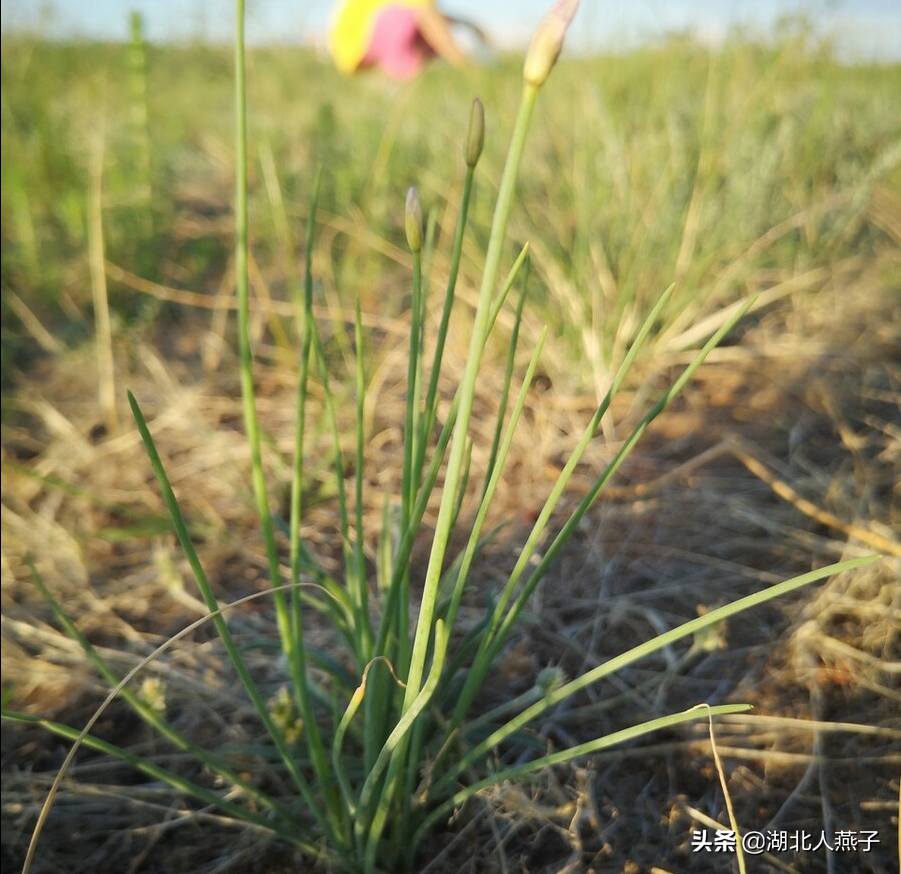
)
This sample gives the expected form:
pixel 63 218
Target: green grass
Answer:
pixel 672 163
pixel 618 191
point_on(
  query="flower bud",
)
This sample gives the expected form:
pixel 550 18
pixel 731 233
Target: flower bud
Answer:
pixel 547 42
pixel 413 219
pixel 475 136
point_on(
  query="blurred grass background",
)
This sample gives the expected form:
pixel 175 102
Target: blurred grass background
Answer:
pixel 730 171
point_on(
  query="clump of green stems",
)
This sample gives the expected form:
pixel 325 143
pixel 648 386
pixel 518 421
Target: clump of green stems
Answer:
pixel 386 743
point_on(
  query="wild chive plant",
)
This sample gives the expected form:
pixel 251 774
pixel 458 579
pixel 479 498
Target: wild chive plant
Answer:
pixel 381 743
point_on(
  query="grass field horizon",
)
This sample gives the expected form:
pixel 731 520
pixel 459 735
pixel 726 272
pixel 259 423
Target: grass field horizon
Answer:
pixel 758 168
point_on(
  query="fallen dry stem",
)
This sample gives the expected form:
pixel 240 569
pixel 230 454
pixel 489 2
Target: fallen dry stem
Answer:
pixel 750 456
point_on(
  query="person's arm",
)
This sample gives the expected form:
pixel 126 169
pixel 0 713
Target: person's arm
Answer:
pixel 436 31
pixel 481 35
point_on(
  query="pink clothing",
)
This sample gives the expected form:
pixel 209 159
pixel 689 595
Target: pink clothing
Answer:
pixel 397 46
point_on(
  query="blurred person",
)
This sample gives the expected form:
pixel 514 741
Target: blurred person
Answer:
pixel 398 38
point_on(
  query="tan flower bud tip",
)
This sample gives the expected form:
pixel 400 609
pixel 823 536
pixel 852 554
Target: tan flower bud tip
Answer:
pixel 547 42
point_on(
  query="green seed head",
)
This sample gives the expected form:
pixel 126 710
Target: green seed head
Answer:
pixel 414 220
pixel 475 136
pixel 547 42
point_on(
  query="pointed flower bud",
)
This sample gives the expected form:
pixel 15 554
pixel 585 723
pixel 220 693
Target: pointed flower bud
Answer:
pixel 413 219
pixel 547 41
pixel 475 136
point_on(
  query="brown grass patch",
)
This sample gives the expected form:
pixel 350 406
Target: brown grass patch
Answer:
pixel 783 455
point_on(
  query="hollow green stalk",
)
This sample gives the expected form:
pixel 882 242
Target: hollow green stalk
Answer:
pixel 475 142
pixel 454 475
pixel 412 438
pixel 242 287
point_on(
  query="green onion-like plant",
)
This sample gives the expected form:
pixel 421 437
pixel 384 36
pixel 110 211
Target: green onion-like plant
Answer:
pixel 384 741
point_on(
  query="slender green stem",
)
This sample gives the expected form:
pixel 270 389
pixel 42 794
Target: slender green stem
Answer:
pixel 431 402
pixel 296 652
pixel 383 800
pixel 410 479
pixel 458 448
pixel 360 593
pixel 242 285
pixel 497 466
pixel 344 601
pixel 508 376
pixel 500 455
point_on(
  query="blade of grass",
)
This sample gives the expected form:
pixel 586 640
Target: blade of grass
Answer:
pixel 571 753
pixel 214 763
pixel 360 588
pixel 222 628
pixel 473 149
pixel 585 504
pixel 484 657
pixel 613 665
pixel 508 373
pixel 295 647
pixel 179 784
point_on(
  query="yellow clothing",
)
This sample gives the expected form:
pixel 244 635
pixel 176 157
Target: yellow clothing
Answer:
pixel 352 28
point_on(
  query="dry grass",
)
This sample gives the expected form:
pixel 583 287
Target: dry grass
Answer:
pixel 782 455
